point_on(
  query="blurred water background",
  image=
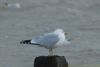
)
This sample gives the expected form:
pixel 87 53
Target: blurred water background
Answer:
pixel 80 18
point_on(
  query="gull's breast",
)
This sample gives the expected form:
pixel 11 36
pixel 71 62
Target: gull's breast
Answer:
pixel 61 40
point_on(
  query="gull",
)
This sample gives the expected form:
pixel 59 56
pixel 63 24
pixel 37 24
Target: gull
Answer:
pixel 50 40
pixel 15 5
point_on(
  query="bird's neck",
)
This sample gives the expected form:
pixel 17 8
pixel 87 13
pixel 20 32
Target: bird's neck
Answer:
pixel 61 36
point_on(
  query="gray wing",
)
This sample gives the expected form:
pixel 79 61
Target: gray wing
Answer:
pixel 47 40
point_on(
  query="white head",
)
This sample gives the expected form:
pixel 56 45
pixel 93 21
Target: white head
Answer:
pixel 60 31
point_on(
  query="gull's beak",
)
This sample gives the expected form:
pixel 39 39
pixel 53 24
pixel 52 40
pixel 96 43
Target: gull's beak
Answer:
pixel 66 33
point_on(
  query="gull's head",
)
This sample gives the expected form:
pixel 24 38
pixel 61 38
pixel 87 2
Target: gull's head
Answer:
pixel 60 31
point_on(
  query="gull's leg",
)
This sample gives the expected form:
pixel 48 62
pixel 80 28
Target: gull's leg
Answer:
pixel 50 52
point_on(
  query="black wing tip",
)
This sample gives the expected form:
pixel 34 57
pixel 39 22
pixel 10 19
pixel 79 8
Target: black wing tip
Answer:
pixel 28 42
pixel 25 42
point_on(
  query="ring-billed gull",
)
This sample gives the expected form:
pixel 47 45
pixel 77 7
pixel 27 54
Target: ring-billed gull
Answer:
pixel 49 40
pixel 15 5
